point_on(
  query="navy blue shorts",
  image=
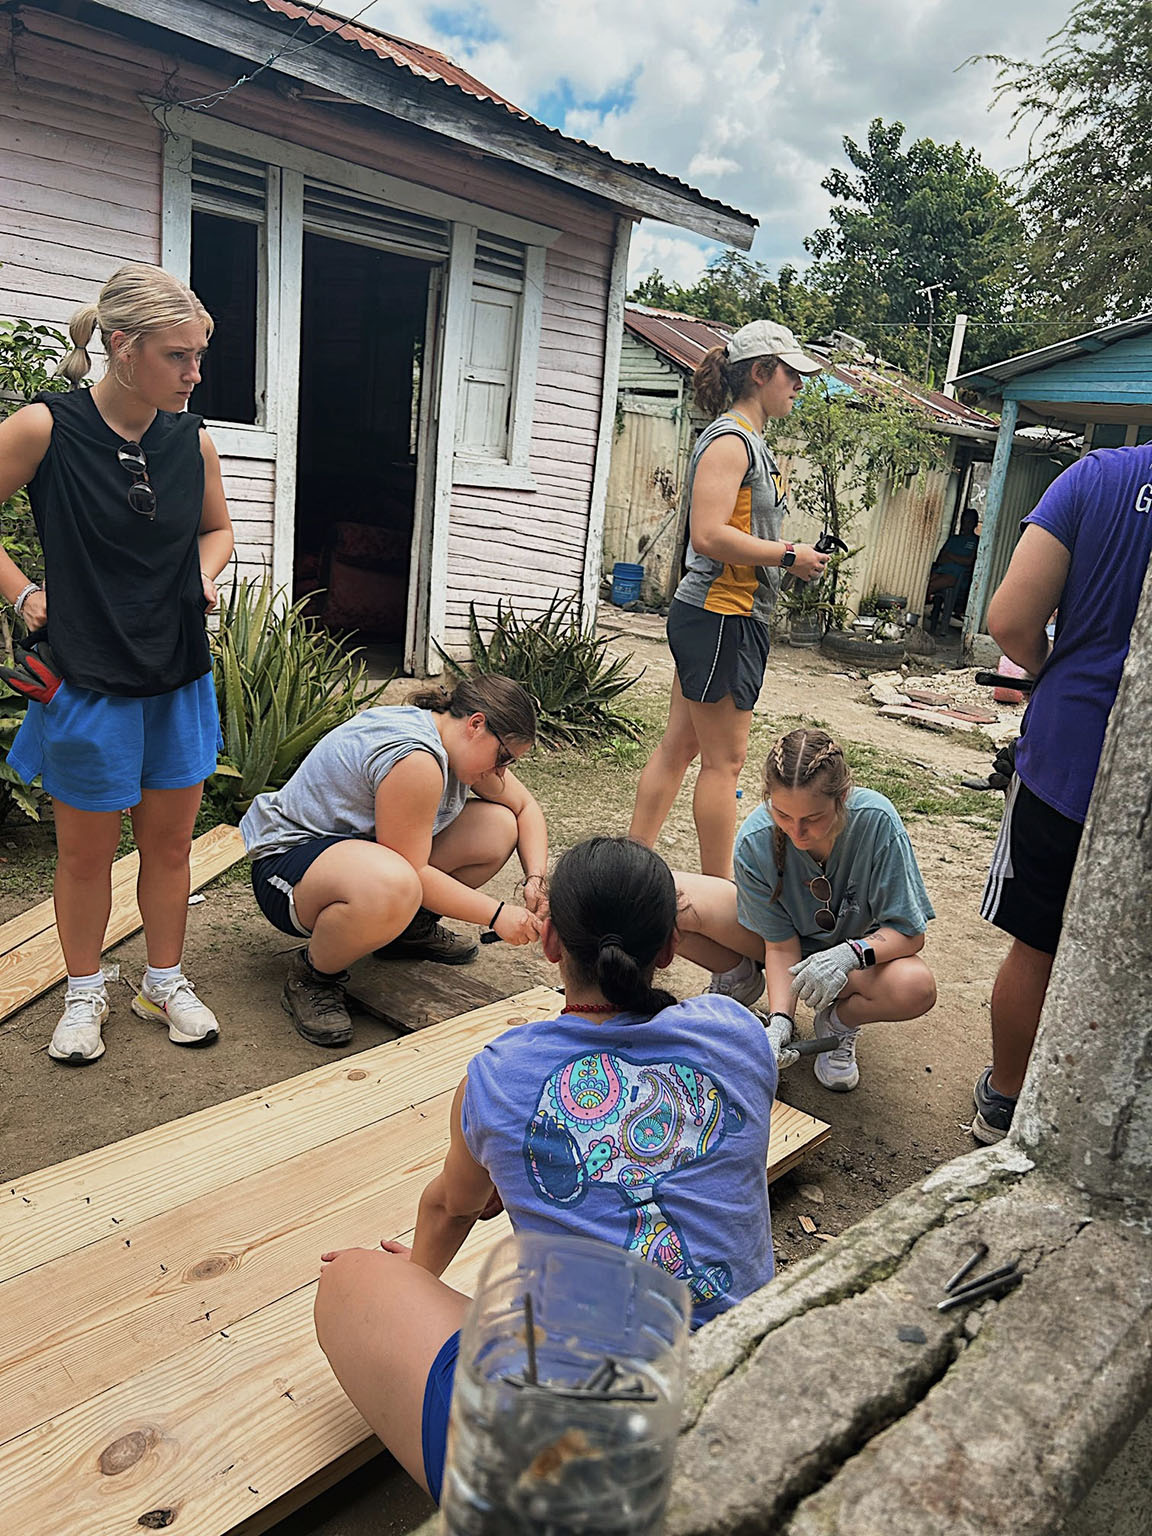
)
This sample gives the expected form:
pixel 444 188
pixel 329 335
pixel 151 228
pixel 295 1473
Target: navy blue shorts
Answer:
pixel 99 752
pixel 273 878
pixel 717 655
pixel 434 1420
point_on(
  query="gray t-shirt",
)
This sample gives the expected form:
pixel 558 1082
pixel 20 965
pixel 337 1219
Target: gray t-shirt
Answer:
pixel 333 792
pixel 872 869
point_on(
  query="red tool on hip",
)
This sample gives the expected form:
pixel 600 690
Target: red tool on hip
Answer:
pixel 33 671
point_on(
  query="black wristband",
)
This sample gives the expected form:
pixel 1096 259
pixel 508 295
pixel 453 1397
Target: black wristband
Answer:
pixel 496 915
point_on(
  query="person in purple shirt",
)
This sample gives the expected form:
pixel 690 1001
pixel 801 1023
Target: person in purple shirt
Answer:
pixel 1084 551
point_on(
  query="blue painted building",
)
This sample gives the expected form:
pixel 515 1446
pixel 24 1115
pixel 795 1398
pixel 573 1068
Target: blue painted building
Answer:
pixel 1098 386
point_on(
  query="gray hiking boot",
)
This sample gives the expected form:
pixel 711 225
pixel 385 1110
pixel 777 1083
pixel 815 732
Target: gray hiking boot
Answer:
pixel 318 1009
pixel 426 938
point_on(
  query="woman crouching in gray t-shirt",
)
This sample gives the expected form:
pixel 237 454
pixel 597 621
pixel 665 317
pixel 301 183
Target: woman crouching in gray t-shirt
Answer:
pixel 375 836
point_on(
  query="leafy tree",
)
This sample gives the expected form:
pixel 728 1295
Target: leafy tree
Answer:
pixel 918 234
pixel 849 443
pixel 735 289
pixel 1087 183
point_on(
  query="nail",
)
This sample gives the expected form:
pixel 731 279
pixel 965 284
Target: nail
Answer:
pixel 967 1267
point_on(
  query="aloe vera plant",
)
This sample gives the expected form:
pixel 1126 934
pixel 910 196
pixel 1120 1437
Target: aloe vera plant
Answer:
pixel 281 684
pixel 565 669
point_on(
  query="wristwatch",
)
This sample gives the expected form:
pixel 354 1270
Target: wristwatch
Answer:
pixel 788 558
pixel 864 952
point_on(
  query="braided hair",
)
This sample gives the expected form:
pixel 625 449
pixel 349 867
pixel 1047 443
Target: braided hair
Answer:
pixel 804 759
pixel 613 904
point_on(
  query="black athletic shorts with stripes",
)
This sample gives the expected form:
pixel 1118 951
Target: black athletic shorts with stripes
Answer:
pixel 717 654
pixel 1031 870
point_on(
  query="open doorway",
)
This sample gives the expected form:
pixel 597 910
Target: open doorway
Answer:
pixel 362 342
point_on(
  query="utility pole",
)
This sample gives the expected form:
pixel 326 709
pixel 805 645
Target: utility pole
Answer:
pixel 959 326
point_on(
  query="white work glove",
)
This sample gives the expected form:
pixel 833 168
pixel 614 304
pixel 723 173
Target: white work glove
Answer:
pixel 819 980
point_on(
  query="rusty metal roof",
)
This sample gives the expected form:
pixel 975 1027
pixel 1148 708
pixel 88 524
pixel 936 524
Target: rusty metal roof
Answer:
pixel 684 339
pixel 428 63
pixel 431 65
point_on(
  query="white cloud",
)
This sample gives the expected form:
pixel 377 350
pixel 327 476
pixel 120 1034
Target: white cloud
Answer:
pixel 747 99
pixel 681 258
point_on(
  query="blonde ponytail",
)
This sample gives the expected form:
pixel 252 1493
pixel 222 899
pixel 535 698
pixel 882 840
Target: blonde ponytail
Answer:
pixel 136 300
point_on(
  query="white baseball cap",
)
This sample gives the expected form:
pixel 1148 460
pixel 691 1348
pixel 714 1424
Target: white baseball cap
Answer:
pixel 764 338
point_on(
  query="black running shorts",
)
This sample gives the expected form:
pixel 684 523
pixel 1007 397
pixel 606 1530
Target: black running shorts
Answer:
pixel 1031 869
pixel 717 655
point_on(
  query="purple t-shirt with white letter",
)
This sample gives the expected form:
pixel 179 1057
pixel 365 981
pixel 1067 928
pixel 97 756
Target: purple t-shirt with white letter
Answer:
pixel 1100 509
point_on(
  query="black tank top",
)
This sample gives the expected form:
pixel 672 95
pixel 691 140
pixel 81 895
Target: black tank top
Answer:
pixel 125 599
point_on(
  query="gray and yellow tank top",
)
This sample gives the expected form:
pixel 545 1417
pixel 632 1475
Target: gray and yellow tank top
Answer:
pixel 749 590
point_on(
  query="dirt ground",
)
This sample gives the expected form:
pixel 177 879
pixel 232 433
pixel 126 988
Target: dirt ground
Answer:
pixel 909 1114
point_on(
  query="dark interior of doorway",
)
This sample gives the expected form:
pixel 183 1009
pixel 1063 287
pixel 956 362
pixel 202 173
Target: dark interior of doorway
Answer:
pixel 361 342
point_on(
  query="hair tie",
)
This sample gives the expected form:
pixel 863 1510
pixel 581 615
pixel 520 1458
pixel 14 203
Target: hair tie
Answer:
pixel 608 940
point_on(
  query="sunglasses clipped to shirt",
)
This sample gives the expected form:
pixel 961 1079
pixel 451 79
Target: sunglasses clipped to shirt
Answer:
pixel 141 496
pixel 821 889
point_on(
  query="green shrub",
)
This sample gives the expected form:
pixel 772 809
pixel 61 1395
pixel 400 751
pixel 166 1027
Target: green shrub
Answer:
pixel 574 684
pixel 281 683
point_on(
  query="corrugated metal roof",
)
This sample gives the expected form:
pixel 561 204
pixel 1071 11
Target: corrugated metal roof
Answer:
pixel 1058 352
pixel 429 64
pixel 684 339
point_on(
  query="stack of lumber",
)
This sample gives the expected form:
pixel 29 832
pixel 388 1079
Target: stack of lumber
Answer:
pixel 158 1366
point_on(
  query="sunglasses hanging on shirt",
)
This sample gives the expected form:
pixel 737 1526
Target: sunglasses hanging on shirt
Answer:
pixel 141 496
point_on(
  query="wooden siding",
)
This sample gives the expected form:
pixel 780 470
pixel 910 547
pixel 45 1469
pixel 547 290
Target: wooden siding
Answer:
pixel 525 546
pixel 1120 374
pixel 250 489
pixel 644 371
pixel 80 192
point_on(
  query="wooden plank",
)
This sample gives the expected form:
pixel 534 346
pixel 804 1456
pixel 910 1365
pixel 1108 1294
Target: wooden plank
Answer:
pixel 31 968
pixel 41 917
pixel 413 995
pixel 62 1209
pixel 220 1429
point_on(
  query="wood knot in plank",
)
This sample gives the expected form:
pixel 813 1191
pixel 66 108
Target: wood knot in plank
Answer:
pixel 357 1075
pixel 215 1264
pixel 126 1451
pixel 157 1519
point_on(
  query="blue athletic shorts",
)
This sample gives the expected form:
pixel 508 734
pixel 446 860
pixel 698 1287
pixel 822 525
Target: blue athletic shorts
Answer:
pixel 274 876
pixel 434 1421
pixel 99 753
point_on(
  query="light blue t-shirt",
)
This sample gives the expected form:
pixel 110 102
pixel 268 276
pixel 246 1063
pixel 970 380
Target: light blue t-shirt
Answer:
pixel 333 792
pixel 650 1134
pixel 876 882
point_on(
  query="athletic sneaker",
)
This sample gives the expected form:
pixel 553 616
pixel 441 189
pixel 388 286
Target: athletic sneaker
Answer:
pixel 994 1110
pixel 175 1003
pixel 836 1070
pixel 744 982
pixel 317 1004
pixel 76 1039
pixel 426 938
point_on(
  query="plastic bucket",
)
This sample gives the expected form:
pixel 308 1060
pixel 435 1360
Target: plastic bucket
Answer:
pixel 626 580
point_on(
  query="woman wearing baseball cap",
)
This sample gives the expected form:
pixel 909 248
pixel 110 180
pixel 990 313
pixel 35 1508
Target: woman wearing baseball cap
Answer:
pixel 718 622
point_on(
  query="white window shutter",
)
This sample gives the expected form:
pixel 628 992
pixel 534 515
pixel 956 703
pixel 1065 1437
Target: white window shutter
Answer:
pixel 489 372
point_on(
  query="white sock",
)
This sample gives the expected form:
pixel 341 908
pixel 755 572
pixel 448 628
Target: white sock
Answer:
pixel 838 1023
pixel 156 976
pixel 93 983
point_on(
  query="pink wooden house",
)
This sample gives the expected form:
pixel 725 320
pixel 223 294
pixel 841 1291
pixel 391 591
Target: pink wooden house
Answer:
pixel 418 288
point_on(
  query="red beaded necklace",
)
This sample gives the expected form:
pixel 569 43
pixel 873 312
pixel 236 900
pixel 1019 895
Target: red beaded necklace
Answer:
pixel 590 1008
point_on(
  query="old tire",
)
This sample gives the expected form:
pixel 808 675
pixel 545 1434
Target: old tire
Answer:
pixel 871 655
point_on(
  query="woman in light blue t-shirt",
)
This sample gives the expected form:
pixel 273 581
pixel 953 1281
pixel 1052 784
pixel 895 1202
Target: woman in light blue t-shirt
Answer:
pixel 629 1118
pixel 828 907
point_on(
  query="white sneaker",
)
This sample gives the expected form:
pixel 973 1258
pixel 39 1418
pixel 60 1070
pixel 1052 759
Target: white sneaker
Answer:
pixel 76 1038
pixel 744 982
pixel 176 1004
pixel 836 1069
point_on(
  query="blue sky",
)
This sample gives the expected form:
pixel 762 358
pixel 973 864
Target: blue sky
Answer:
pixel 749 100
